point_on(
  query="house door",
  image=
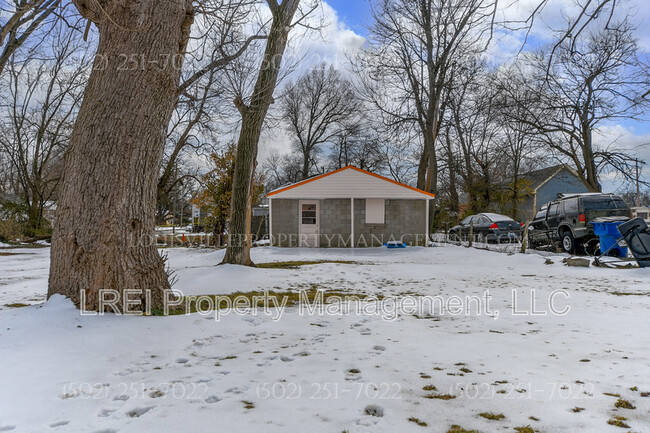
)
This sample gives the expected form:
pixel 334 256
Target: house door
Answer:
pixel 309 224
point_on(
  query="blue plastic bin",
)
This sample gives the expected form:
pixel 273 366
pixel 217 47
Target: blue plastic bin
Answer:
pixel 607 232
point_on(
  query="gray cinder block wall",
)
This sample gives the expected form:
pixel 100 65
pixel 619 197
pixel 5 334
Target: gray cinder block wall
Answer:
pixel 284 222
pixel 404 221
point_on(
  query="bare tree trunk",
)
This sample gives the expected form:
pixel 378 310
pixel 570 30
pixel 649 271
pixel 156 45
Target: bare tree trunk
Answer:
pixel 238 251
pixel 453 191
pixel 104 234
pixel 305 165
pixel 422 169
pixel 591 174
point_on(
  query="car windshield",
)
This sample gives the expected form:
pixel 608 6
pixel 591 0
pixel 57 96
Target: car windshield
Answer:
pixel 603 202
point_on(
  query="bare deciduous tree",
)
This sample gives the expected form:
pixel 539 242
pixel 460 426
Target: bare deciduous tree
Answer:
pixel 221 38
pixel 104 234
pixel 592 80
pixel 253 114
pixel 416 45
pixel 23 18
pixel 44 91
pixel 315 108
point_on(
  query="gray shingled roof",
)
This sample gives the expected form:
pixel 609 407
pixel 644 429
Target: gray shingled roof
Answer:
pixel 537 177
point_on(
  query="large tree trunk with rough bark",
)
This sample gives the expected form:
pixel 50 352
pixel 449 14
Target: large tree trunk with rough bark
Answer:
pixel 104 236
pixel 253 115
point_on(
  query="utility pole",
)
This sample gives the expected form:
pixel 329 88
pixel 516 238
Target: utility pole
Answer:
pixel 638 203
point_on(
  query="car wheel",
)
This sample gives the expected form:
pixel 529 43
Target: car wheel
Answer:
pixel 453 237
pixel 568 242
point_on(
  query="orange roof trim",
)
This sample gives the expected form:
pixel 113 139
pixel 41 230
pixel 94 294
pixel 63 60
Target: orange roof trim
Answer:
pixel 306 181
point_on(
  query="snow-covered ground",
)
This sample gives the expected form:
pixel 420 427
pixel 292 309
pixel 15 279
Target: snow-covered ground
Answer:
pixel 64 372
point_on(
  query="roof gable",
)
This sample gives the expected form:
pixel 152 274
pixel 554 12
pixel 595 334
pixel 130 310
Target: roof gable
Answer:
pixel 538 178
pixel 349 182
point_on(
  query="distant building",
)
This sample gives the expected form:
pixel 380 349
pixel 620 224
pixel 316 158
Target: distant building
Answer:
pixel 641 212
pixel 260 221
pixel 547 185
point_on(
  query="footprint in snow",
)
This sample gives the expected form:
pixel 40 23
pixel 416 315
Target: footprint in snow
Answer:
pixel 122 397
pixel 108 430
pixel 212 399
pixel 59 424
pixel 7 428
pixel 182 360
pixel 303 353
pixel 374 410
pixel 286 358
pixel 252 320
pixel 139 411
pixel 105 412
pixel 379 348
pixel 237 389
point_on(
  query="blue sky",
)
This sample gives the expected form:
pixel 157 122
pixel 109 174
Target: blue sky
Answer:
pixel 354 13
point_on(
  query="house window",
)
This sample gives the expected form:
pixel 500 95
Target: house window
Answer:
pixel 375 210
pixel 309 214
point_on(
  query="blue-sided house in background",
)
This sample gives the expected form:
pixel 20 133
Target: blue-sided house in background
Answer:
pixel 548 184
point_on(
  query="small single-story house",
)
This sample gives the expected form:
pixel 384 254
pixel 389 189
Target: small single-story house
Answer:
pixel 642 212
pixel 548 184
pixel 349 207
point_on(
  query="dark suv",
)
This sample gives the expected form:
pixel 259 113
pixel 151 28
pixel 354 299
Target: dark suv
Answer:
pixel 568 220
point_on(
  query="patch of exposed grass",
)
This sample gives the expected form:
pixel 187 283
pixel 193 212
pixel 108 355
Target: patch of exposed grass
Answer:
pixel 624 404
pixel 577 409
pixel 425 376
pixel 492 416
pixel 248 404
pixel 525 429
pixel 585 360
pixel 440 396
pixel 429 388
pixel 418 421
pixel 618 421
pixel 458 429
pixel 611 394
pixel 289 298
pixel 17 305
pixel 628 294
pixel 465 370
pixel 644 394
pixel 298 264
pixel 533 418
pixel 8 254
